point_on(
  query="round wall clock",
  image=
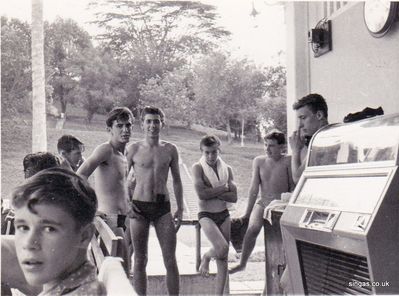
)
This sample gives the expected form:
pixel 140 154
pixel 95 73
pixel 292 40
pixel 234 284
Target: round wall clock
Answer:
pixel 379 15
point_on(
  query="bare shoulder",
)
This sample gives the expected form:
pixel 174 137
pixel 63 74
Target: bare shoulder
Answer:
pixel 169 146
pixel 287 160
pixel 197 168
pixel 103 150
pixel 133 147
pixel 260 160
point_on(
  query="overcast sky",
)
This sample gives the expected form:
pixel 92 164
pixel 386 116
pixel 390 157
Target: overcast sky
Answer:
pixel 259 38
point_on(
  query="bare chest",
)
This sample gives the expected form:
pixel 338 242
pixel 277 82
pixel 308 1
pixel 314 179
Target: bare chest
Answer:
pixel 116 166
pixel 274 172
pixel 154 158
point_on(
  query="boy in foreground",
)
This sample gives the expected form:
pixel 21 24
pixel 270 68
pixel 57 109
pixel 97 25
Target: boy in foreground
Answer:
pixel 213 182
pixel 272 173
pixel 54 211
pixel 12 276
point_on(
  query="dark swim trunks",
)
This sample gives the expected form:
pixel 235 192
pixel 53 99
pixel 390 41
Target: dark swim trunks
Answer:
pixel 121 221
pixel 115 220
pixel 218 217
pixel 151 211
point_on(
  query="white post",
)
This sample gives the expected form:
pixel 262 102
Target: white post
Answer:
pixel 39 132
pixel 298 59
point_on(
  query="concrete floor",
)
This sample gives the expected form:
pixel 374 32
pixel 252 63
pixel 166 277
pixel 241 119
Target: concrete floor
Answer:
pixel 186 261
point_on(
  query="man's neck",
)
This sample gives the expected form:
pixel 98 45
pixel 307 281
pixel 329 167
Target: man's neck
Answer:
pixel 214 166
pixel 323 123
pixel 277 158
pixel 118 146
pixel 152 141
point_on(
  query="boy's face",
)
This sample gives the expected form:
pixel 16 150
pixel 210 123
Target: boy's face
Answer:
pixel 121 130
pixel 74 157
pixel 210 153
pixel 48 244
pixel 152 125
pixel 273 149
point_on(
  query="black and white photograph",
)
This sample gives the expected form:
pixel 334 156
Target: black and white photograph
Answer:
pixel 204 147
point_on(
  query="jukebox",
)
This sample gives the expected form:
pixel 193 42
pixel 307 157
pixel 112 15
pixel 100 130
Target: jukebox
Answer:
pixel 341 227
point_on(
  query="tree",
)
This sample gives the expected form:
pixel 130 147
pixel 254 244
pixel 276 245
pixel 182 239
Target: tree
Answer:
pixel 273 105
pixel 39 134
pixel 174 93
pixel 16 74
pixel 276 81
pixel 273 114
pixel 99 86
pixel 227 89
pixel 154 37
pixel 65 44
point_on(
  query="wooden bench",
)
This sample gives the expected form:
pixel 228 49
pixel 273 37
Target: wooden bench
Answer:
pixel 114 278
pixel 104 243
pixel 105 252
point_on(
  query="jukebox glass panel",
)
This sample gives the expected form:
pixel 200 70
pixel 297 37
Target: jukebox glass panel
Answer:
pixel 351 194
pixel 370 140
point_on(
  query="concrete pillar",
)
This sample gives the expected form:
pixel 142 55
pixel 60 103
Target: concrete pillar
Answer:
pixel 298 59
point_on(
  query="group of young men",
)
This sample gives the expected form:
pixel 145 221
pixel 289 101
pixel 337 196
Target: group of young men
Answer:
pixel 144 196
pixel 54 209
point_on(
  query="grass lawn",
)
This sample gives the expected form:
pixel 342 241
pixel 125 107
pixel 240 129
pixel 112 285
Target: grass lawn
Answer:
pixel 16 141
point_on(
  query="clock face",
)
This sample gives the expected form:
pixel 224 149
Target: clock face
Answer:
pixel 379 16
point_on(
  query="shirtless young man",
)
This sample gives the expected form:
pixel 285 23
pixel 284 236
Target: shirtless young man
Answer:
pixel 312 114
pixel 213 182
pixel 151 160
pixel 109 164
pixel 272 173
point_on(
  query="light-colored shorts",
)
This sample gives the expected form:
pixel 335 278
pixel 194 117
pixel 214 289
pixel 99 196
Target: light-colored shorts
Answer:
pixel 264 202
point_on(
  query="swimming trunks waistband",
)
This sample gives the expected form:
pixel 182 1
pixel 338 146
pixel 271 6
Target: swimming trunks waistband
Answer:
pixel 218 217
pixel 264 202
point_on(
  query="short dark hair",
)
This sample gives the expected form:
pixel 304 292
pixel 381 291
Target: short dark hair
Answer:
pixel 275 135
pixel 210 140
pixel 152 110
pixel 36 162
pixel 314 101
pixel 119 113
pixel 59 187
pixel 69 143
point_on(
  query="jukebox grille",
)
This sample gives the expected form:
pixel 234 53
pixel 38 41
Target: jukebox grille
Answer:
pixel 327 271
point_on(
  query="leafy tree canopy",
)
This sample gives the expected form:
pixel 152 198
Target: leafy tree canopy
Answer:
pixel 16 74
pixel 100 85
pixel 65 43
pixel 158 31
pixel 227 88
pixel 151 38
pixel 174 93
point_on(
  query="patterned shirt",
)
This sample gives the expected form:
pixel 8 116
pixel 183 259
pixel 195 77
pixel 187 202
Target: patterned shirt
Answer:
pixel 81 282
